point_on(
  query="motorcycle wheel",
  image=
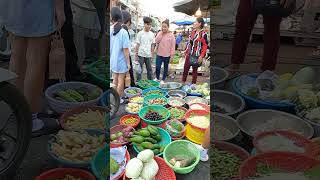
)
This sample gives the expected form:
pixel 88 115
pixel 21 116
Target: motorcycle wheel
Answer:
pixel 114 102
pixel 15 131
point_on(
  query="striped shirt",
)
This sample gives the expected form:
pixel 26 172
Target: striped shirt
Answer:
pixel 198 43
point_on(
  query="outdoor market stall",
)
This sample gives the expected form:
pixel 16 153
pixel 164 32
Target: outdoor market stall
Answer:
pixel 159 123
pixel 266 126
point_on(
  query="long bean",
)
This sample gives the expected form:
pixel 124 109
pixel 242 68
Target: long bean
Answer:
pixel 223 164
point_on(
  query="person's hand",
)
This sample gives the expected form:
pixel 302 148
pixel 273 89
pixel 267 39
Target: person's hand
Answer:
pixel 200 60
pixel 286 3
pixel 60 17
pixel 129 66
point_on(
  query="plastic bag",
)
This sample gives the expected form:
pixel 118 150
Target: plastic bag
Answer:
pixel 266 84
pixel 137 67
pixel 119 155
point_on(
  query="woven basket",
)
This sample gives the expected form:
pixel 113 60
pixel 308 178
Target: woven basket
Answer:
pixel 60 106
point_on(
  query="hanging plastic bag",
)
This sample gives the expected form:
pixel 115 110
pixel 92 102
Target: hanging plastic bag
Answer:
pixel 57 58
pixel 137 67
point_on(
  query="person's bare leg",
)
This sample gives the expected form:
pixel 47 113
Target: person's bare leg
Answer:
pixel 37 58
pixel 18 61
pixel 115 80
pixel 206 141
pixel 120 87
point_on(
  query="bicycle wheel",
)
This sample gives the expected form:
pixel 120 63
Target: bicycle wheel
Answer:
pixel 15 129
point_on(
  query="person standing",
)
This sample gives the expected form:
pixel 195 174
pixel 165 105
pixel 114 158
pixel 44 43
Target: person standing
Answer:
pixel 245 21
pixel 178 40
pixel 196 49
pixel 119 51
pixel 145 48
pixel 126 25
pixel 30 29
pixel 165 50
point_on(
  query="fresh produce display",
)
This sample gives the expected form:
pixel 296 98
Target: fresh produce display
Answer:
pixel 157 101
pixel 181 161
pixel 175 102
pixel 279 143
pixel 223 164
pixel 69 177
pixel 199 121
pixel 88 119
pixel 175 128
pixel 147 138
pixel 122 136
pixel 196 107
pixel 114 166
pixel 273 124
pixel 221 133
pixel 176 58
pixel 202 89
pixel 143 167
pixel 133 107
pixel 136 99
pixel 133 91
pixel 154 92
pixel 267 172
pixel 131 121
pixel 153 116
pixel 101 68
pixel 146 84
pixel 76 146
pixel 176 113
pixel 77 95
pixel 196 100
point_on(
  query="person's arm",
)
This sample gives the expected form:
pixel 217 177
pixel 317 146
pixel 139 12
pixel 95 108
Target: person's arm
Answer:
pixel 204 42
pixel 153 45
pixel 173 47
pixel 137 45
pixel 60 15
pixel 125 47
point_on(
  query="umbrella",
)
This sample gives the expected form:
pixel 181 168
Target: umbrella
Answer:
pixel 191 6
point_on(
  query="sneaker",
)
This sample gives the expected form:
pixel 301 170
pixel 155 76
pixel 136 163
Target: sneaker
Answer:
pixel 121 101
pixel 37 124
pixel 203 153
pixel 155 79
pixel 161 82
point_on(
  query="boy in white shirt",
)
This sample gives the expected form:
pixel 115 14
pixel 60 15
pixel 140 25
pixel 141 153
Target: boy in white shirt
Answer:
pixel 145 47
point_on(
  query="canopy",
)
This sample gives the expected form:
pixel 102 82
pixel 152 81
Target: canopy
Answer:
pixel 191 6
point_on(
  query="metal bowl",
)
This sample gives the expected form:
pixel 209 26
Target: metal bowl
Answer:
pixel 232 103
pixel 227 122
pixel 181 101
pixel 171 86
pixel 252 119
pixel 189 100
pixel 177 93
pixel 218 78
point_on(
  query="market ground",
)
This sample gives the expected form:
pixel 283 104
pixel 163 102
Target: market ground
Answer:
pixel 291 58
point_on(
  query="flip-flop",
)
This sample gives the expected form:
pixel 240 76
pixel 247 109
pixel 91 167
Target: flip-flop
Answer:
pixel 51 126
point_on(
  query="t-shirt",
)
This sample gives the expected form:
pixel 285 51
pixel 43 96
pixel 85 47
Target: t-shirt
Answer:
pixel 145 40
pixel 120 41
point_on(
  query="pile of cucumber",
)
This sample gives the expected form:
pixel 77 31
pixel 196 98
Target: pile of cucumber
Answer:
pixel 77 95
pixel 147 138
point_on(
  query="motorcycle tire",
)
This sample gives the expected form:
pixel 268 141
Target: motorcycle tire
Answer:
pixel 116 96
pixel 18 104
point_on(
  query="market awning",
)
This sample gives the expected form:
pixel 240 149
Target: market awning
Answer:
pixel 191 6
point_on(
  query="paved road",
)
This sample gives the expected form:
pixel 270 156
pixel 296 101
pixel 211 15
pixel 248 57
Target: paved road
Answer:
pixel 202 169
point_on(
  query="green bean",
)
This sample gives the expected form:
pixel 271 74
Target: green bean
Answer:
pixel 224 165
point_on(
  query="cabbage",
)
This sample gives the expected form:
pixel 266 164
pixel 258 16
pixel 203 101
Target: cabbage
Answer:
pixel 290 92
pixel 307 98
pixel 150 170
pixel 134 168
pixel 146 155
pixel 304 76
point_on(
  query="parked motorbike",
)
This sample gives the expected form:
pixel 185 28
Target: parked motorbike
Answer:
pixel 15 126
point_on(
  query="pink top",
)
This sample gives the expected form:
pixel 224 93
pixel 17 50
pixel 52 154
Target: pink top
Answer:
pixel 167 42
